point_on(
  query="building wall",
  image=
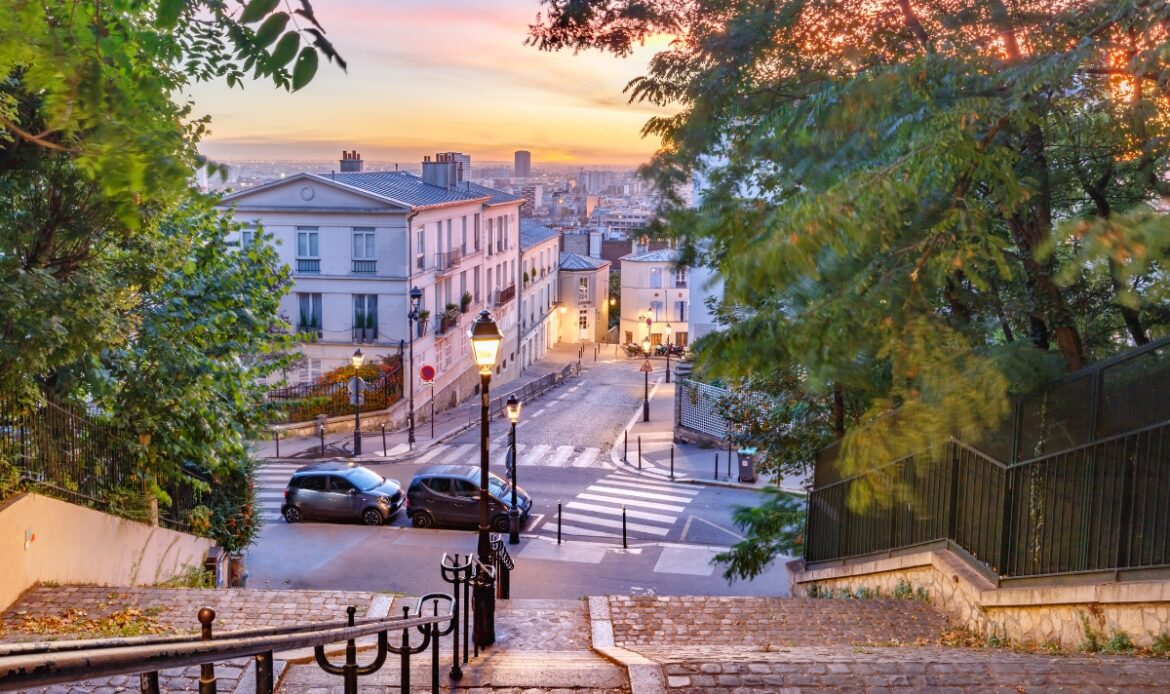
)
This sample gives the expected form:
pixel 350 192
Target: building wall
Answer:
pixel 637 295
pixel 594 302
pixel 538 299
pixel 44 539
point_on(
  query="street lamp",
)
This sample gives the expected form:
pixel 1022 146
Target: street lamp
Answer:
pixel 485 343
pixel 666 336
pixel 357 401
pixel 646 373
pixel 512 407
pixel 415 305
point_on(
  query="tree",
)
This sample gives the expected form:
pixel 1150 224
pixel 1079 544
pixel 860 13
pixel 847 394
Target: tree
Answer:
pixel 920 207
pixel 120 291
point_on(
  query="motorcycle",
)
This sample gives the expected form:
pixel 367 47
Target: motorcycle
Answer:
pixel 662 350
pixel 634 349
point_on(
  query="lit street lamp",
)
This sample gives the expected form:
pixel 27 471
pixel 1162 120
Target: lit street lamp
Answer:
pixel 485 343
pixel 666 336
pixel 512 407
pixel 415 304
pixel 646 373
pixel 357 386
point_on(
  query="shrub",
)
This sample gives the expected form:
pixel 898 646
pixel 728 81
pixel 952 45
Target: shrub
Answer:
pixel 1119 642
pixel 903 590
pixel 1161 644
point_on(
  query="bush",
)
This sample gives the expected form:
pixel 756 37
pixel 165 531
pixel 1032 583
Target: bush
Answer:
pixel 1119 642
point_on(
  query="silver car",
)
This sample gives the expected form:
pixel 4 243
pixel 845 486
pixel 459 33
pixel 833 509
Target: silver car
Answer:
pixel 341 491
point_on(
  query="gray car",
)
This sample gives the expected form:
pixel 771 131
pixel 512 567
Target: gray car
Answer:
pixel 341 491
pixel 449 495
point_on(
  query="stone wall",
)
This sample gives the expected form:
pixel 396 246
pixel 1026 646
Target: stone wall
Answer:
pixel 1052 615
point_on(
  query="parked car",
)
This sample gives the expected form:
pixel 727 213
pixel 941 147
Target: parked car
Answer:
pixel 341 491
pixel 449 495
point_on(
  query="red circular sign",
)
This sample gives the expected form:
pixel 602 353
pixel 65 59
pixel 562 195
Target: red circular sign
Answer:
pixel 649 322
pixel 426 372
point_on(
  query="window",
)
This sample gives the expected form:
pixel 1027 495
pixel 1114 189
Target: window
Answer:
pixel 680 311
pixel 656 278
pixel 475 283
pixel 309 318
pixel 583 319
pixel 680 277
pixel 656 309
pixel 308 258
pixel 450 239
pixel 339 485
pixel 475 231
pixel 365 317
pixel 420 249
pixel 313 483
pixel 363 244
pixel 583 290
pixel 439 485
pixel 491 236
pixel 310 370
pixel 247 238
pixel 463 488
pixel 463 236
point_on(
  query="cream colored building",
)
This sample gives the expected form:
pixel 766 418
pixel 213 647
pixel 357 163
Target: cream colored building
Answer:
pixel 538 325
pixel 584 310
pixel 655 294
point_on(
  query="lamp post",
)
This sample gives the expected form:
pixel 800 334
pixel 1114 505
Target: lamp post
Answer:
pixel 646 373
pixel 666 336
pixel 485 343
pixel 415 303
pixel 357 384
pixel 512 407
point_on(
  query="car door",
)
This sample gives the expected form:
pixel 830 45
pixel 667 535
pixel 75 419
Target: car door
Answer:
pixel 342 497
pixel 466 496
pixel 310 497
pixel 439 501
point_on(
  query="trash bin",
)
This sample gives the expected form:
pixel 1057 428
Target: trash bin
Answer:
pixel 747 465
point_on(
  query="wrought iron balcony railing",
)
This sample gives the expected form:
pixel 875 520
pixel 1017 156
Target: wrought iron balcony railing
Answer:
pixel 505 295
pixel 309 265
pixel 448 259
pixel 446 323
pixel 364 267
pixel 365 334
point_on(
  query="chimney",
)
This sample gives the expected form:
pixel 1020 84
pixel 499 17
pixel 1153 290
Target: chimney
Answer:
pixel 351 162
pixel 443 172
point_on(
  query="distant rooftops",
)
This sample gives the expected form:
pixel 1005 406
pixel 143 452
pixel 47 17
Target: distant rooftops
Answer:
pixel 406 188
pixel 533 232
pixel 662 255
pixel 573 261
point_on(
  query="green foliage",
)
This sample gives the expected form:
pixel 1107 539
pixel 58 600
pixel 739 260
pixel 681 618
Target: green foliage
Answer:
pixel 191 577
pixel 1119 642
pixel 774 528
pixel 1161 644
pixel 234 521
pixel 903 590
pixel 1094 639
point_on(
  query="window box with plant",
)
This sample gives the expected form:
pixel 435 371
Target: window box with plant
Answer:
pixel 464 302
pixel 448 319
pixel 424 317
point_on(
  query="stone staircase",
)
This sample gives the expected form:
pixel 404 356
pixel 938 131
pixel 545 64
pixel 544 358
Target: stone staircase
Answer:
pixel 637 644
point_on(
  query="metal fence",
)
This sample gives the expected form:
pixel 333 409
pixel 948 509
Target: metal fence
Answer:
pixel 67 454
pixel 302 403
pixel 536 388
pixel 696 408
pixel 1086 485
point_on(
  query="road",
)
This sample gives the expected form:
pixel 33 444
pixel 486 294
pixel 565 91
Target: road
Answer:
pixel 673 529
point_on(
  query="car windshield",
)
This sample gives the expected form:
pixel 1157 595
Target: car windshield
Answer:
pixel 497 486
pixel 365 480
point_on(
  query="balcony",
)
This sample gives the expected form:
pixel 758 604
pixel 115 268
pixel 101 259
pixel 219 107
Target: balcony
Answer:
pixel 446 323
pixel 365 267
pixel 365 335
pixel 309 265
pixel 505 295
pixel 447 260
pixel 680 284
pixel 309 332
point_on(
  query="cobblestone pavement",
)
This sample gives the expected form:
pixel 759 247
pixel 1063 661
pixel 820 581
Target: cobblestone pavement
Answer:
pixel 173 610
pixel 771 622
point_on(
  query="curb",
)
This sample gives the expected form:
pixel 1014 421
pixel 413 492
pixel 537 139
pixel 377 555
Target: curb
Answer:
pixel 645 675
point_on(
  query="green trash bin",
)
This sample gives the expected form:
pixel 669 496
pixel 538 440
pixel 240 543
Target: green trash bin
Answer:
pixel 747 465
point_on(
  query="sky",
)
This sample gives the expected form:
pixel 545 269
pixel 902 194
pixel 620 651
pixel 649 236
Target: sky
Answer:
pixel 438 75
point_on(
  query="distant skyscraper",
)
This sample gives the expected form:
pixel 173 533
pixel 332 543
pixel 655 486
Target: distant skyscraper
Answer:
pixel 523 164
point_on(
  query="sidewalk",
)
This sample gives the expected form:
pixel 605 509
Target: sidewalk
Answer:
pixel 692 463
pixel 394 445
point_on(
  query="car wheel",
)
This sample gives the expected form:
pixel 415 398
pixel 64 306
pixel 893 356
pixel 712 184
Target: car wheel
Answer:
pixel 422 519
pixel 372 516
pixel 501 524
pixel 292 514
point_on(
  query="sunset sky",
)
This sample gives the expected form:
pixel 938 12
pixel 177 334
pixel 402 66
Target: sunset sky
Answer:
pixel 436 75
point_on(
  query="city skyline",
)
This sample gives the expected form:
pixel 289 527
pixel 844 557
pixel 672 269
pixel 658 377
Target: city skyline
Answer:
pixel 426 77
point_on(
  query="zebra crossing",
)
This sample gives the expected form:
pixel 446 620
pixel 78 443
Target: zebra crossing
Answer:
pixel 538 455
pixel 652 508
pixel 270 480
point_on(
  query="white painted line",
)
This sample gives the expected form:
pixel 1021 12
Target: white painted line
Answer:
pixel 561 457
pixel 535 454
pixel 426 457
pixel 397 450
pixel 268 496
pixel 270 516
pixel 574 530
pixel 279 467
pixel 587 457
pixel 642 483
pixel 502 458
pixel 538 412
pixel 456 453
pixel 615 511
pixel 615 523
pixel 631 502
pixel 638 494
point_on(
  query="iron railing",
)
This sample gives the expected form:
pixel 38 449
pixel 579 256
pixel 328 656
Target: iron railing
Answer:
pixel 505 295
pixel 447 260
pixel 309 265
pixel 446 323
pixel 364 335
pixel 364 267
pixel 535 388
pixel 302 403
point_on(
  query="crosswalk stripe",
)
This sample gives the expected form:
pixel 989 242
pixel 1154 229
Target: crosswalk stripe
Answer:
pixel 587 457
pixel 574 530
pixel 535 454
pixel 637 493
pixel 639 483
pixel 561 457
pixel 631 502
pixel 502 457
pixel 263 496
pixel 456 453
pixel 400 448
pixel 426 457
pixel 615 511
pixel 615 523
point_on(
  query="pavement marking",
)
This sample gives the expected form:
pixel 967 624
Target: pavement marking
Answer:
pixel 397 450
pixel 692 561
pixel 538 412
pixel 456 452
pixel 262 496
pixel 534 454
pixel 631 502
pixel 638 493
pixel 640 483
pixel 616 523
pixel 587 457
pixel 574 530
pixel 561 457
pixel 579 552
pixel 615 511
pixel 426 457
pixel 502 458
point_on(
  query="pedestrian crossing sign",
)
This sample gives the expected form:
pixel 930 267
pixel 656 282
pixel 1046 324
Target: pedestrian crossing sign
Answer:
pixel 646 368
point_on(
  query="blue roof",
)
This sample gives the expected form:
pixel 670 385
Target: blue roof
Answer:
pixel 405 188
pixel 573 261
pixel 533 232
pixel 662 255
pixel 497 197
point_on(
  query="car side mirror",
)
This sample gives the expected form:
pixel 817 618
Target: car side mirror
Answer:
pixel 352 491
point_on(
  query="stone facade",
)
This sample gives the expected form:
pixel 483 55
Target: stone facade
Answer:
pixel 1064 616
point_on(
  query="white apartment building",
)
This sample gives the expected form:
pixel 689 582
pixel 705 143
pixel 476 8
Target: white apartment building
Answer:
pixel 655 294
pixel 539 321
pixel 357 242
pixel 585 298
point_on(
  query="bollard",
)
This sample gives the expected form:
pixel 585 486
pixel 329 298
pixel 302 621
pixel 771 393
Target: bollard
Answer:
pixel 672 461
pixel 384 449
pixel 716 475
pixel 558 521
pixel 626 446
pixel 276 433
pixel 728 460
pixel 625 545
pixel 639 452
pixel 206 670
pixel 595 350
pixel 322 431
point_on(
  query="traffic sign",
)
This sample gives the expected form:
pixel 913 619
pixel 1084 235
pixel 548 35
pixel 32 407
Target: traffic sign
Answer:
pixel 426 372
pixel 646 368
pixel 357 385
pixel 357 399
pixel 649 322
